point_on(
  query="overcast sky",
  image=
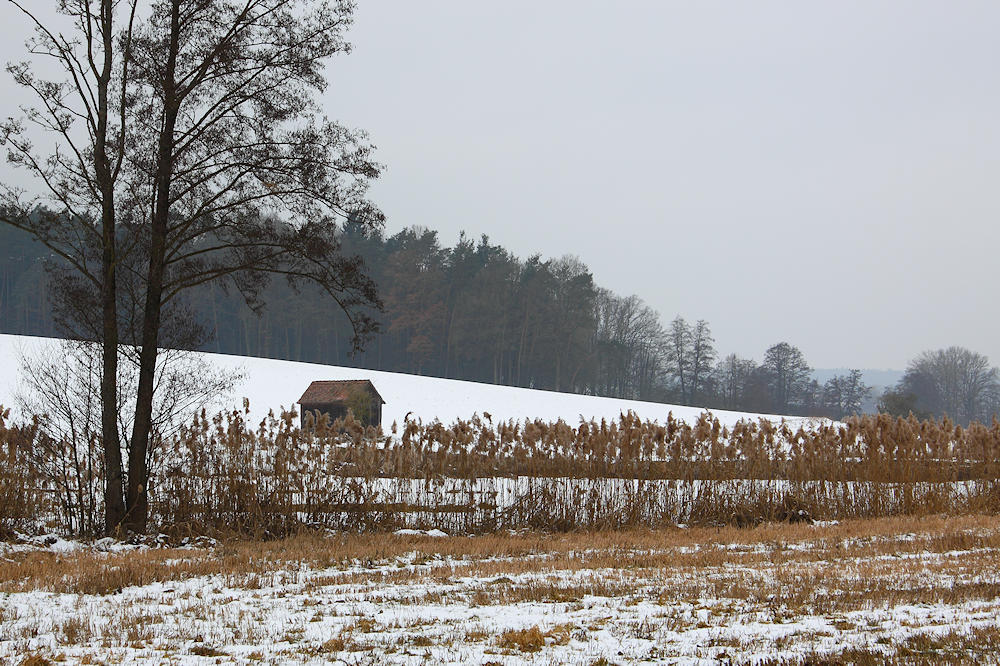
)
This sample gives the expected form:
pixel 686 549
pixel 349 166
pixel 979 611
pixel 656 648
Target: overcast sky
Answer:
pixel 824 174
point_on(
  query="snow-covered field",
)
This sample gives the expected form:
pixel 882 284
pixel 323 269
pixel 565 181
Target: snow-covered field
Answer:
pixel 922 588
pixel 272 385
pixel 846 593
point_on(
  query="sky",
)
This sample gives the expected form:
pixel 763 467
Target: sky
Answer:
pixel 824 174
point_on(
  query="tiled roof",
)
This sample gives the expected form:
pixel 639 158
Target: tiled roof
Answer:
pixel 336 390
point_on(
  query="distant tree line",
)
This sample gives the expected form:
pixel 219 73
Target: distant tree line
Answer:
pixel 953 382
pixel 476 312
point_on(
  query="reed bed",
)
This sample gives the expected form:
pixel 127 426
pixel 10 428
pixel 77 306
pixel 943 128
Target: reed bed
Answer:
pixel 20 481
pixel 219 475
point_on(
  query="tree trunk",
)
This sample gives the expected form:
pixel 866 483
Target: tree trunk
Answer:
pixel 136 497
pixel 114 507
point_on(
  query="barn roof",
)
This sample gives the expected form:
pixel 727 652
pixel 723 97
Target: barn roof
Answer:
pixel 322 392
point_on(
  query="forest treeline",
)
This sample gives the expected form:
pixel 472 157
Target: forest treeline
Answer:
pixel 474 311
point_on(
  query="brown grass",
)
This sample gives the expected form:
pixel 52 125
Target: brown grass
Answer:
pixel 522 640
pixel 257 564
pixel 35 660
pixel 701 578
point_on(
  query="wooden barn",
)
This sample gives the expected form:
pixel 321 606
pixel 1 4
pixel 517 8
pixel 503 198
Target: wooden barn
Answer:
pixel 335 397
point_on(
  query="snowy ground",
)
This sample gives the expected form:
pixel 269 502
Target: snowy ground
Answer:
pixel 271 385
pixel 925 589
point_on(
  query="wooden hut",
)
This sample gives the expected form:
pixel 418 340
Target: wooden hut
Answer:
pixel 334 398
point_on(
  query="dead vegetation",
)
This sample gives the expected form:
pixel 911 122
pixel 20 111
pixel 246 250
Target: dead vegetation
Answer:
pixel 20 482
pixel 222 476
pixel 888 590
pixel 498 558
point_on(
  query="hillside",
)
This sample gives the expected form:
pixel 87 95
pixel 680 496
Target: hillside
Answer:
pixel 472 312
pixel 273 385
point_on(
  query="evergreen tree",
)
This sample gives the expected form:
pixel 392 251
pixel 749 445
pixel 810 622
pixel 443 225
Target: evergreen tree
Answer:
pixel 844 395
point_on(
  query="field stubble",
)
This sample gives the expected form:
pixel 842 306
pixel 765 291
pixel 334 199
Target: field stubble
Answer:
pixel 904 589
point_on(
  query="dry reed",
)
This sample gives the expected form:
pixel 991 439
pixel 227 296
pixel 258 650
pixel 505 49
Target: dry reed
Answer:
pixel 221 475
pixel 21 501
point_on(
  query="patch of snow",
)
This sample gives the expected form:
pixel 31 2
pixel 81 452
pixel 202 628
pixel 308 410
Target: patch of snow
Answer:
pixel 413 532
pixel 50 542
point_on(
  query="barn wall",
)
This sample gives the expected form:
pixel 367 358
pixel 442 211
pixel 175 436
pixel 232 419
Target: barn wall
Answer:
pixel 339 410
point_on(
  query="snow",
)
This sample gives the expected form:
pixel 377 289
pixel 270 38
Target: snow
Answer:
pixel 411 532
pixel 273 384
pixel 735 604
pixel 50 542
pixel 407 609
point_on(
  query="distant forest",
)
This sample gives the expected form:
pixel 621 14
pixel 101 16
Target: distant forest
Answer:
pixel 476 312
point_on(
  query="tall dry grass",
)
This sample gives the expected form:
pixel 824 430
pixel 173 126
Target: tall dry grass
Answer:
pixel 476 476
pixel 223 475
pixel 22 502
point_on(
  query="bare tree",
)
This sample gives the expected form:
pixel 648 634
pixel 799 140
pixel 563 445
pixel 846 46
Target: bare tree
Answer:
pixel 690 352
pixel 61 385
pixel 629 340
pixel 74 212
pixel 787 375
pixel 679 355
pixel 202 157
pixel 732 376
pixel 63 390
pixel 233 173
pixel 702 356
pixel 955 382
